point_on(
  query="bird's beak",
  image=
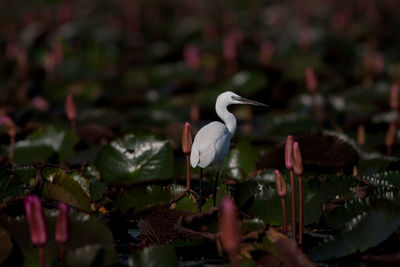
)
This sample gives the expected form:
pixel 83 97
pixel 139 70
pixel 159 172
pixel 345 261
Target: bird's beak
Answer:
pixel 251 102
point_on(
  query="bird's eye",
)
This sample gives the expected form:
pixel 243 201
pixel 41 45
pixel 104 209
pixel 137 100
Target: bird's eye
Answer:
pixel 233 97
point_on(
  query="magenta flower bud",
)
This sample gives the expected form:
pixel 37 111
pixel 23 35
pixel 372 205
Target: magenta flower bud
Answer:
pixel 311 79
pixel 36 221
pixel 229 226
pixel 8 125
pixel 192 57
pixel 70 108
pixel 186 139
pixel 297 159
pixel 289 152
pixel 280 184
pixel 62 224
pixel 394 97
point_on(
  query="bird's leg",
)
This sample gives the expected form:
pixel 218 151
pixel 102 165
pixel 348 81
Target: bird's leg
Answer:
pixel 216 186
pixel 201 188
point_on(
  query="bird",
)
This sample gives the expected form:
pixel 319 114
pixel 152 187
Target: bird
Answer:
pixel 211 143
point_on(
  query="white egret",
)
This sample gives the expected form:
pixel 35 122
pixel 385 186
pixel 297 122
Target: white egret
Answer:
pixel 211 144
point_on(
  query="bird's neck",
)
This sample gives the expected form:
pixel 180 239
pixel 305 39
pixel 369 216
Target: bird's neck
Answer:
pixel 227 117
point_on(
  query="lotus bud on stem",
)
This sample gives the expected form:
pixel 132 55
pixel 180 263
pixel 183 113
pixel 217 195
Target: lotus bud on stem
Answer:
pixel 70 111
pixel 62 234
pixel 187 148
pixel 289 165
pixel 298 170
pixel 11 130
pixel 361 135
pixel 37 224
pixel 394 97
pixel 390 137
pixel 281 191
pixel 228 225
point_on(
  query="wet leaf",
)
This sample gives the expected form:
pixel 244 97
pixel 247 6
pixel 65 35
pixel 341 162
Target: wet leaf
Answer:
pixel 72 190
pixel 135 159
pixel 240 161
pixel 155 256
pixel 143 196
pixel 260 199
pixel 386 185
pixel 367 229
pixel 84 232
pixel 40 145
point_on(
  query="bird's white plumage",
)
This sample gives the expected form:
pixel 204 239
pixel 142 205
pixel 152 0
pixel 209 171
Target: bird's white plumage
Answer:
pixel 210 145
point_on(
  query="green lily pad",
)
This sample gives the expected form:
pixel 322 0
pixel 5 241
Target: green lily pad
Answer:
pixel 156 256
pixel 259 198
pixel 42 144
pixel 367 229
pixel 240 161
pixel 84 233
pixel 69 189
pixel 135 159
pixel 143 196
pixel 386 185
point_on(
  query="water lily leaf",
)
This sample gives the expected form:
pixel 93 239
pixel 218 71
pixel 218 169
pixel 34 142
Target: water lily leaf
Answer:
pixel 135 159
pixel 84 232
pixel 69 189
pixel 240 161
pixel 97 189
pixel 42 144
pixel 5 245
pixel 366 230
pixel 143 196
pixel 11 186
pixel 386 185
pixel 249 83
pixel 156 256
pixel 259 198
pixel 222 193
pixel 337 186
pixel 373 163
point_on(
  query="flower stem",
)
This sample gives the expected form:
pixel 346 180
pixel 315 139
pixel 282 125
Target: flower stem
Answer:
pixel 41 256
pixel 11 148
pixel 293 205
pixel 62 255
pixel 187 172
pixel 300 210
pixel 284 215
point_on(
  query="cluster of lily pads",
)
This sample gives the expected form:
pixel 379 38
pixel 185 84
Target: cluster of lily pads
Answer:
pixel 95 96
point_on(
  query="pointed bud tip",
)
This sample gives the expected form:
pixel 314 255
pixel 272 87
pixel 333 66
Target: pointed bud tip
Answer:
pixel 187 124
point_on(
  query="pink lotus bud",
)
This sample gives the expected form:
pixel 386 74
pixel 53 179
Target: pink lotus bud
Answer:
pixel 229 226
pixel 229 48
pixel 361 135
pixel 40 104
pixel 70 108
pixel 8 125
pixel 394 97
pixel 62 223
pixel 288 152
pixel 186 139
pixel 311 79
pixel 36 221
pixel 305 38
pixel 192 57
pixel 297 160
pixel 280 184
pixel 266 52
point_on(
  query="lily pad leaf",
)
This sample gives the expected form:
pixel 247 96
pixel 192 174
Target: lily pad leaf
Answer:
pixel 72 190
pixel 259 198
pixel 42 144
pixel 135 158
pixel 83 236
pixel 366 230
pixel 143 196
pixel 160 256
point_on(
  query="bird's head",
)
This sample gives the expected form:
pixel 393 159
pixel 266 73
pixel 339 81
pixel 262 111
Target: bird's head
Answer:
pixel 232 98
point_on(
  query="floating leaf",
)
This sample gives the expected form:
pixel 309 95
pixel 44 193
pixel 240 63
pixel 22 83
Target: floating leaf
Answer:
pixel 240 161
pixel 64 187
pixel 386 185
pixel 42 144
pixel 160 256
pixel 366 230
pixel 135 159
pixel 260 199
pixel 143 196
pixel 85 231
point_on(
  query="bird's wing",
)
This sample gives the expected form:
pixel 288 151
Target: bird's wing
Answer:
pixel 207 143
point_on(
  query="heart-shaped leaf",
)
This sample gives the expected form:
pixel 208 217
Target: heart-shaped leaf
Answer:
pixel 135 159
